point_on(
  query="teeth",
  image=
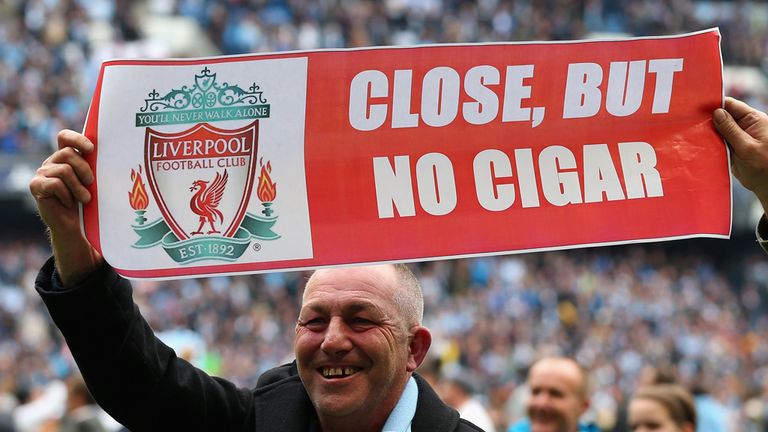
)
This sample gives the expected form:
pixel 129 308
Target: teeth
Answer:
pixel 338 372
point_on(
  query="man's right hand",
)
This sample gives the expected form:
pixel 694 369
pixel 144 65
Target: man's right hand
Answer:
pixel 58 187
pixel 746 131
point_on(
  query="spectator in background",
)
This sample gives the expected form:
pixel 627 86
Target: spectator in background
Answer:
pixel 712 415
pixel 40 405
pixel 649 375
pixel 459 392
pixel 558 397
pixel 662 408
pixel 82 412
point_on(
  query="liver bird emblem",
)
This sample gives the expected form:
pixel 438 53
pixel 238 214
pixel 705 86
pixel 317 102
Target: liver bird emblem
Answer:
pixel 206 199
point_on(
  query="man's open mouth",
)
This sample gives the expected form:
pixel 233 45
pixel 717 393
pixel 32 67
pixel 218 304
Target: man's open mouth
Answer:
pixel 338 372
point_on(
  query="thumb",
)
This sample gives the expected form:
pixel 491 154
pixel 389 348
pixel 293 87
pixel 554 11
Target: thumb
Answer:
pixel 730 130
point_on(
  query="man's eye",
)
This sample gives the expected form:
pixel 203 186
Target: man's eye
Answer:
pixel 361 322
pixel 313 323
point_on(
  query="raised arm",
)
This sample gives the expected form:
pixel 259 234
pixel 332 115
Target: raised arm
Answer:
pixel 746 131
pixel 58 186
pixel 134 376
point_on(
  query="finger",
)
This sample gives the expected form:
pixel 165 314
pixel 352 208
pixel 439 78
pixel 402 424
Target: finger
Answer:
pixel 730 130
pixel 66 174
pixel 740 111
pixel 70 138
pixel 47 187
pixel 69 156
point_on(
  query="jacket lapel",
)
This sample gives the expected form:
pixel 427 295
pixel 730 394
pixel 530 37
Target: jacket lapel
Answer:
pixel 432 415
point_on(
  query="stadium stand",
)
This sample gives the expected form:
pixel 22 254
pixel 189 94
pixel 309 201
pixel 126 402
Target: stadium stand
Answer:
pixel 697 308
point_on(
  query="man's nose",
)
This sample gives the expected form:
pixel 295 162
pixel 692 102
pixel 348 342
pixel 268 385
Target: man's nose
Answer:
pixel 336 340
pixel 539 399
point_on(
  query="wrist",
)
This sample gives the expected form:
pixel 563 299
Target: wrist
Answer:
pixel 75 257
pixel 73 269
pixel 761 232
pixel 762 197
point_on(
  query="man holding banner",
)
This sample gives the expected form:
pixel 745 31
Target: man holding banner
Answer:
pixel 358 338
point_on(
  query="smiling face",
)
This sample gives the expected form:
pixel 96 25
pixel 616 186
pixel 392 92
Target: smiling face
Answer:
pixel 557 397
pixel 354 349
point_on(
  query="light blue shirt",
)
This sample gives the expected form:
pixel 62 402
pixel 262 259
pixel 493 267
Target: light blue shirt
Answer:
pixel 525 426
pixel 711 415
pixel 402 415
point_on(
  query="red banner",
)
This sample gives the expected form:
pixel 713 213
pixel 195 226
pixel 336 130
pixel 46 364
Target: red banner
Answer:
pixel 412 153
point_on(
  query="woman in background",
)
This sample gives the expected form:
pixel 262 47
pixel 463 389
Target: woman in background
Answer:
pixel 662 408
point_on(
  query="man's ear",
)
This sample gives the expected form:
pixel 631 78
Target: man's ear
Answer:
pixel 585 407
pixel 421 339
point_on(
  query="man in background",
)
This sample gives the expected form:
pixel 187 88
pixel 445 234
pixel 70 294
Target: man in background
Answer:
pixel 459 391
pixel 82 413
pixel 558 396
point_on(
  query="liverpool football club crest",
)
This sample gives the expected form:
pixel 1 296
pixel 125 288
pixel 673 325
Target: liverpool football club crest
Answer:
pixel 203 179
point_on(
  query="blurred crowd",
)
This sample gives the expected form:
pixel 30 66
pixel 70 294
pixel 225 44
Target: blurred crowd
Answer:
pixel 50 50
pixel 631 315
pixel 625 313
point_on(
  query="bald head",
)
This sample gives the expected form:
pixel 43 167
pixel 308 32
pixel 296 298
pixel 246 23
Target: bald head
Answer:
pixel 567 369
pixel 406 292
